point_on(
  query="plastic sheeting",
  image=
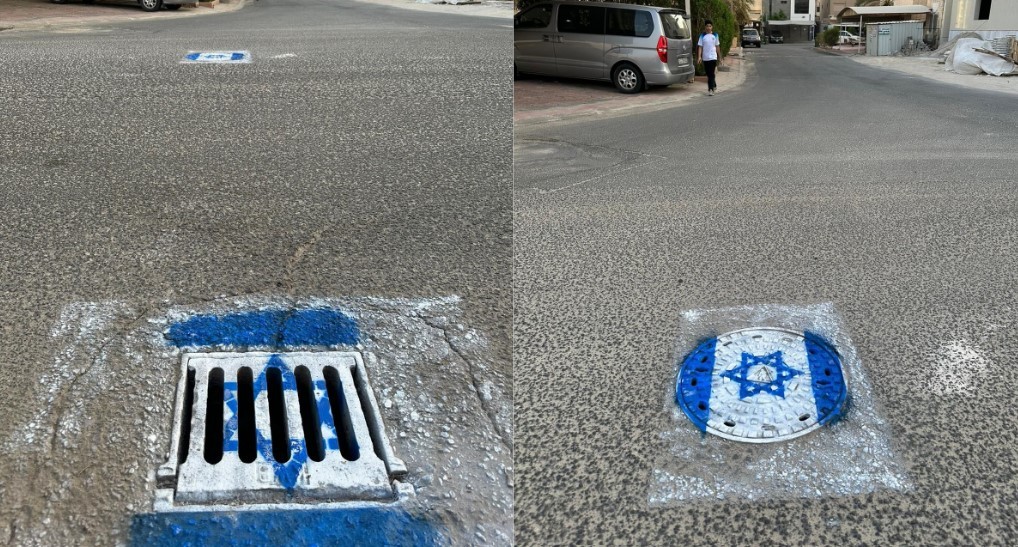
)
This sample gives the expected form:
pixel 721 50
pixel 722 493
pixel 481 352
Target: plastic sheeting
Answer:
pixel 964 59
pixel 852 456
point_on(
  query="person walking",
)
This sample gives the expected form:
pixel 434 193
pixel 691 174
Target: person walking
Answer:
pixel 708 52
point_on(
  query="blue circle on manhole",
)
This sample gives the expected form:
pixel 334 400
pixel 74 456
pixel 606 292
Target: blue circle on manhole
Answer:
pixel 762 385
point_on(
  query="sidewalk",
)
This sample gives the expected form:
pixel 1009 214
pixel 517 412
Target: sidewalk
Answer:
pixel 540 100
pixel 924 66
pixel 23 15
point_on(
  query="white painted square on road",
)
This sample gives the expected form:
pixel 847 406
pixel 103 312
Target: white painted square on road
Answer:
pixel 849 456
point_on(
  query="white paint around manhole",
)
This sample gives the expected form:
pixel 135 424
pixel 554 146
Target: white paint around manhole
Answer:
pixel 270 428
pixel 762 385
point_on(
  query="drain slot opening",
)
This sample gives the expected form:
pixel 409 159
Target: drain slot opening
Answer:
pixel 185 423
pixel 277 416
pixel 247 448
pixel 309 415
pixel 214 418
pixel 341 416
pixel 369 414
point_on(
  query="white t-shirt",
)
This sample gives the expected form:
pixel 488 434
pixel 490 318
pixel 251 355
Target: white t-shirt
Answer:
pixel 709 44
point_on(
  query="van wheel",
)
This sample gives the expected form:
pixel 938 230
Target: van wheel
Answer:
pixel 627 78
pixel 151 5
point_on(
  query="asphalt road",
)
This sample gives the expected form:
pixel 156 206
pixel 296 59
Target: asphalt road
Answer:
pixel 886 200
pixel 364 153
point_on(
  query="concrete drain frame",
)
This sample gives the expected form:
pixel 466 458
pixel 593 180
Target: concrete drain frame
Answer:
pixel 258 429
pixel 762 385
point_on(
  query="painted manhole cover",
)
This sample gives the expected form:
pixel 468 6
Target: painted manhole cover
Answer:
pixel 762 385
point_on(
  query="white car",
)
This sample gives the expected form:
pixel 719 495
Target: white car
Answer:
pixel 846 37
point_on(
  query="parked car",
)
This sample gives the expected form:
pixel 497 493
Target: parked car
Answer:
pixel 846 37
pixel 776 37
pixel 751 37
pixel 631 46
pixel 146 5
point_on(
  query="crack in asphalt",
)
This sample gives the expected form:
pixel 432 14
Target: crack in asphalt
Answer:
pixel 471 368
pixel 59 403
pixel 298 256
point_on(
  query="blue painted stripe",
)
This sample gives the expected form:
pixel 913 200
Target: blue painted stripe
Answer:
pixel 312 527
pixel 230 439
pixel 692 389
pixel 325 415
pixel 280 329
pixel 829 389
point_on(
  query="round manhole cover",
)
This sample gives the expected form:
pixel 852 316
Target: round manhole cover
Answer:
pixel 762 385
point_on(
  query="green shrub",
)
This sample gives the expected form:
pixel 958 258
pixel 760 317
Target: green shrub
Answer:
pixel 829 37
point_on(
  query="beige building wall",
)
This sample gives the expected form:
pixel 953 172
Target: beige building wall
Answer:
pixel 756 10
pixel 1003 18
pixel 829 10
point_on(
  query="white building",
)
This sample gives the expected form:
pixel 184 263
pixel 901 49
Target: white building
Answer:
pixel 990 18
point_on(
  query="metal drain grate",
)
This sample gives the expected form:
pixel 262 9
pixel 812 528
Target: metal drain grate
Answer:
pixel 277 427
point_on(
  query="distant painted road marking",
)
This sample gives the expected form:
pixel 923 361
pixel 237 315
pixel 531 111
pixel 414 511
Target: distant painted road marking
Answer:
pixel 217 57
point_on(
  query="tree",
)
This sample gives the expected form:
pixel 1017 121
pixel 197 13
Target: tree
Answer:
pixel 740 10
pixel 720 14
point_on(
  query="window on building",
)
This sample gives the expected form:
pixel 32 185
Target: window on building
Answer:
pixel 802 7
pixel 983 9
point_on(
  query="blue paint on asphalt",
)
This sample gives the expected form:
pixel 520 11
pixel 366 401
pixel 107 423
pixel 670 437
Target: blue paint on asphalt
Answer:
pixel 692 390
pixel 354 526
pixel 279 329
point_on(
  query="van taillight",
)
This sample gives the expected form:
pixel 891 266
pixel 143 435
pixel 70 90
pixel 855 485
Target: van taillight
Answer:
pixel 662 49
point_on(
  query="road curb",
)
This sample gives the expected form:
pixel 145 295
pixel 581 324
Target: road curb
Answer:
pixel 617 105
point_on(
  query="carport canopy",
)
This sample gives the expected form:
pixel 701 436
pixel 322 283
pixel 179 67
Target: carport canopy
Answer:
pixel 903 12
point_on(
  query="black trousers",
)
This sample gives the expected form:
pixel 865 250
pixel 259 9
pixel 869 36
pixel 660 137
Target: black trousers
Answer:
pixel 709 66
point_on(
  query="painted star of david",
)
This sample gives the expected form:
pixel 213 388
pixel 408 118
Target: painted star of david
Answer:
pixel 767 374
pixel 286 473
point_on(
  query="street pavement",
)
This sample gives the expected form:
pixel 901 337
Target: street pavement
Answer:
pixel 878 204
pixel 360 162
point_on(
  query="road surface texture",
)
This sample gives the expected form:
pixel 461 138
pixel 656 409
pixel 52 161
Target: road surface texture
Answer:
pixel 874 202
pixel 361 161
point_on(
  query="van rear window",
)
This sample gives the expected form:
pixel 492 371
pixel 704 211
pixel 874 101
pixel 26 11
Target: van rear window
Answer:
pixel 627 22
pixel 675 25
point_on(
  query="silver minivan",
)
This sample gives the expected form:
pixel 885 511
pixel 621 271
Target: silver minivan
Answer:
pixel 633 46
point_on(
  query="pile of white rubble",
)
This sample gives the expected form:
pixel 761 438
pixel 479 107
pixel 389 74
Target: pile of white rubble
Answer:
pixel 968 53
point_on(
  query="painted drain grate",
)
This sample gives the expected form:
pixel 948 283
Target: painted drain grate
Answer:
pixel 257 427
pixel 762 385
